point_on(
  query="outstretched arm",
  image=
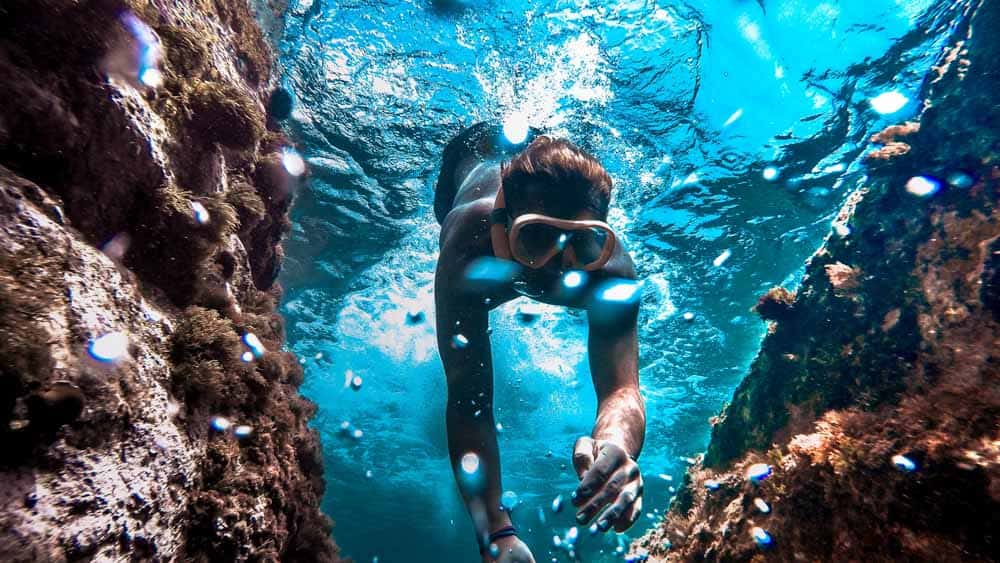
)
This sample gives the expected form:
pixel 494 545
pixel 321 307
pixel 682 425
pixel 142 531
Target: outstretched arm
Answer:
pixel 610 483
pixel 468 366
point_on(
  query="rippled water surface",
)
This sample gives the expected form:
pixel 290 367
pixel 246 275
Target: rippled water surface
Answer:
pixel 733 131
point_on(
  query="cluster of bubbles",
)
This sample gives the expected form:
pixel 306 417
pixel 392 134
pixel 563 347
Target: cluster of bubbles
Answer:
pixel 761 471
pixel 348 429
pixel 567 541
pixel 223 425
pixel 927 185
pixel 609 299
pixel 754 474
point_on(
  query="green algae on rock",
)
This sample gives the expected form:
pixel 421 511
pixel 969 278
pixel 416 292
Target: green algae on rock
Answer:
pixel 877 401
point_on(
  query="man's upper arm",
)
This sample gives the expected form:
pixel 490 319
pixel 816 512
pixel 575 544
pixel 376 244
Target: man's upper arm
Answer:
pixel 462 318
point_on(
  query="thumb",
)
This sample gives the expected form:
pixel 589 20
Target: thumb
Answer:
pixel 583 455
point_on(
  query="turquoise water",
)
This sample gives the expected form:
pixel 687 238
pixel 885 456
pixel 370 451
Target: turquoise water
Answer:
pixel 733 131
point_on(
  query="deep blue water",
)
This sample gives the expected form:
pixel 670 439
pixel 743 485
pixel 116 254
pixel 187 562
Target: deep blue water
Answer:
pixel 686 104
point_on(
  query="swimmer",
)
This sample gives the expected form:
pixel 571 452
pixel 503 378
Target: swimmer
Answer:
pixel 543 206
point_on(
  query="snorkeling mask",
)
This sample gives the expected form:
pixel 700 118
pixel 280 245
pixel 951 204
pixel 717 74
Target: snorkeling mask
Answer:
pixel 533 239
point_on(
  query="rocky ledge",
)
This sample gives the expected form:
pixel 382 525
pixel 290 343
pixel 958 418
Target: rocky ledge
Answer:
pixel 868 428
pixel 147 408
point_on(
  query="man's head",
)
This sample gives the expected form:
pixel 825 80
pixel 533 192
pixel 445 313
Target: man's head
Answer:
pixel 554 177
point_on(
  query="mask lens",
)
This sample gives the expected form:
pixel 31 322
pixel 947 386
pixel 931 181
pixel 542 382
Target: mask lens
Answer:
pixel 537 239
pixel 588 244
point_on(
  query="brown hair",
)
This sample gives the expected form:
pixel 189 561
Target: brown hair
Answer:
pixel 560 176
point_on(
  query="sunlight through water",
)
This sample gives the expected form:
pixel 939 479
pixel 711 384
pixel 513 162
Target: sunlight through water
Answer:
pixel 733 135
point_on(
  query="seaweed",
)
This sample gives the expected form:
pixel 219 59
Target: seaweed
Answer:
pixel 222 113
pixel 185 52
pixel 207 371
pixel 244 198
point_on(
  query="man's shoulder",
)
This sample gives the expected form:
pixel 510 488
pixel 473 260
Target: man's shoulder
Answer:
pixel 467 224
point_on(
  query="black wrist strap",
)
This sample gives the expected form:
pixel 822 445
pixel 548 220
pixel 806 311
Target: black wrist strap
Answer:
pixel 501 533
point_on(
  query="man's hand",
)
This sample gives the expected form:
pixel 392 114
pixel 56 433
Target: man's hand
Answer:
pixel 608 478
pixel 509 550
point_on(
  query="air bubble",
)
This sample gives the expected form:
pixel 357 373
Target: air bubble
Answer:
pixel 721 258
pixel 220 423
pixel 888 102
pixel 758 472
pixel 922 186
pixel 292 161
pixel 515 128
pixel 904 463
pixel 761 537
pixel 254 344
pixel 762 506
pixel 109 348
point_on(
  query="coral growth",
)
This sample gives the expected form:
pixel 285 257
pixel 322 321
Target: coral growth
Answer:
pixel 147 209
pixel 892 146
pixel 777 304
pixel 876 403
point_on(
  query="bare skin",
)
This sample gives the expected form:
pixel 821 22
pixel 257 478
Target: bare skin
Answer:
pixel 610 484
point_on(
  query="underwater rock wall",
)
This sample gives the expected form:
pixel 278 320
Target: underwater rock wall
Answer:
pixel 147 410
pixel 875 399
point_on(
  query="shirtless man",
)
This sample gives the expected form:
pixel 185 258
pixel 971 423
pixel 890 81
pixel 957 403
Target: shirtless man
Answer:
pixel 541 207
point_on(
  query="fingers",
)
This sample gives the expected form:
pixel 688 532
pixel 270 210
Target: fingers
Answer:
pixel 620 511
pixel 607 494
pixel 630 516
pixel 609 458
pixel 583 455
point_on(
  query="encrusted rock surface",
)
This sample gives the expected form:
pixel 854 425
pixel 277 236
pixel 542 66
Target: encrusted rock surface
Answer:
pixel 889 348
pixel 153 207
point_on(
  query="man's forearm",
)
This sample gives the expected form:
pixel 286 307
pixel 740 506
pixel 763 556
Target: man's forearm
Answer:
pixel 621 419
pixel 468 433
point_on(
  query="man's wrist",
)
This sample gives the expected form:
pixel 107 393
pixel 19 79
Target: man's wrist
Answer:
pixel 619 442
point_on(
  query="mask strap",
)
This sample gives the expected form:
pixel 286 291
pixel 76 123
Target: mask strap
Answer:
pixel 498 227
